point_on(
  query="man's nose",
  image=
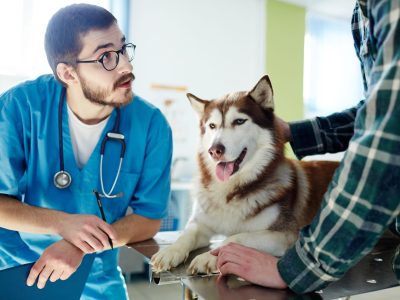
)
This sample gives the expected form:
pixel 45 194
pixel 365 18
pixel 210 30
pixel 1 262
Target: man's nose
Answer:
pixel 124 65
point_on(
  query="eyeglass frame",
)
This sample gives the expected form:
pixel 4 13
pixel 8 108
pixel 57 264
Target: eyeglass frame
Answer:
pixel 118 52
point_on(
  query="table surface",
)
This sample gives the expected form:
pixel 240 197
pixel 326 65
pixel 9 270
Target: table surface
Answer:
pixel 372 273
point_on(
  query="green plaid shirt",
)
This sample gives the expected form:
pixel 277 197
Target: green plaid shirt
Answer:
pixel 363 199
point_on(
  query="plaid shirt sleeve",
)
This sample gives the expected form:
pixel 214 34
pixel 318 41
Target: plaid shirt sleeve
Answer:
pixel 323 134
pixel 363 197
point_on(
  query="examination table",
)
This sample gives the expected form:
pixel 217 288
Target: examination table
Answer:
pixel 372 273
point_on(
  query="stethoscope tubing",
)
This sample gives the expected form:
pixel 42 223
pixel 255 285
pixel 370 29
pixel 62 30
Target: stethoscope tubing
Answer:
pixel 109 194
pixel 60 133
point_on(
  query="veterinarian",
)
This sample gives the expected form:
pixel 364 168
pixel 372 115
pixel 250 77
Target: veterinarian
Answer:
pixel 363 198
pixel 67 135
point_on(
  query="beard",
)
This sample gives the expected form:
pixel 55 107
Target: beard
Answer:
pixel 97 95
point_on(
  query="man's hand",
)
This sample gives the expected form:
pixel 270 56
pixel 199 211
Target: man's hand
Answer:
pixel 58 261
pixel 87 232
pixel 250 264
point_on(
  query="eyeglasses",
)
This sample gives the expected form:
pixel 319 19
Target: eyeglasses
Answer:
pixel 110 59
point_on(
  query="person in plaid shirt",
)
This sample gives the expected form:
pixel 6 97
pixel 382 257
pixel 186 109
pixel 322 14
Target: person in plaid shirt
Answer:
pixel 363 199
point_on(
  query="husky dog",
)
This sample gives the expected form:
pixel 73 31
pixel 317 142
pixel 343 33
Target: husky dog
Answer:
pixel 247 190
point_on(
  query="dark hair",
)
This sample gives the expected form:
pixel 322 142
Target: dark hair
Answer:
pixel 65 29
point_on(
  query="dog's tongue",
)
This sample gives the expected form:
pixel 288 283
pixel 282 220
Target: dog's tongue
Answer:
pixel 224 170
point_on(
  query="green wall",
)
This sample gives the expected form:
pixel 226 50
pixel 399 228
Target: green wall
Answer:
pixel 285 55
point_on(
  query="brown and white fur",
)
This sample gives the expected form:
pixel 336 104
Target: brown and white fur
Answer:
pixel 247 190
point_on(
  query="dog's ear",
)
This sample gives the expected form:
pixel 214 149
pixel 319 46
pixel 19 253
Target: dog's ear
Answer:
pixel 197 103
pixel 262 93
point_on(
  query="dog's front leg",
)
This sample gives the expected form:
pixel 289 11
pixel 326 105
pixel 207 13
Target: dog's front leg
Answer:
pixel 193 237
pixel 203 263
pixel 273 242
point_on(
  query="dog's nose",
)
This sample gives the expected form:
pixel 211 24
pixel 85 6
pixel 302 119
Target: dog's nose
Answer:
pixel 217 151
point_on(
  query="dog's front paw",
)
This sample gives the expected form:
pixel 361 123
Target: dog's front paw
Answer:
pixel 167 258
pixel 203 263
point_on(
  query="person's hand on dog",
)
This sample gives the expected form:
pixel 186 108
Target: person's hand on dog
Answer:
pixel 249 264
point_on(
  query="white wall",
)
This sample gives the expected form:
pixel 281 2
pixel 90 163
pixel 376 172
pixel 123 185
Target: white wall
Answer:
pixel 211 47
pixel 8 81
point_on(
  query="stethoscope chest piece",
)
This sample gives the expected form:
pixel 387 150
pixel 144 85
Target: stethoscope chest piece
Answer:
pixel 62 179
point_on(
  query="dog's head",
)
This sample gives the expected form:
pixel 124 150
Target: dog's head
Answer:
pixel 238 136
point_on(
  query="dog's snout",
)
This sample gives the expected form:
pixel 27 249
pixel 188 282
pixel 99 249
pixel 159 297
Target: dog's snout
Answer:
pixel 217 151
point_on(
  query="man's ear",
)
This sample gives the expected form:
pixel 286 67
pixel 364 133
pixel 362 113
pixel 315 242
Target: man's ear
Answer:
pixel 66 73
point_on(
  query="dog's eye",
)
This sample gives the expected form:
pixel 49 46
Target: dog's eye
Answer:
pixel 239 121
pixel 212 125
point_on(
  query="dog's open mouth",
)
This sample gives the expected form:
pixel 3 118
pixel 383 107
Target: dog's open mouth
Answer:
pixel 225 170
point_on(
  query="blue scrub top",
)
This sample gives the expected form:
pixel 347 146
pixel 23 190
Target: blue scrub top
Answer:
pixel 29 158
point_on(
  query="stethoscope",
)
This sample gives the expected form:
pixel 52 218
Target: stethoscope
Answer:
pixel 62 179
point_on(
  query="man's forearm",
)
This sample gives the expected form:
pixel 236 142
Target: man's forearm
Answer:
pixel 85 231
pixel 18 216
pixel 322 135
pixel 134 228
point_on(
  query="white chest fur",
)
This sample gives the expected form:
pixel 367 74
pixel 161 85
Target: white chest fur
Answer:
pixel 235 216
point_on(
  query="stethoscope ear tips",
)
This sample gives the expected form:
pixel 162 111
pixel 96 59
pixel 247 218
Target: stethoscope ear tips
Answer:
pixel 62 179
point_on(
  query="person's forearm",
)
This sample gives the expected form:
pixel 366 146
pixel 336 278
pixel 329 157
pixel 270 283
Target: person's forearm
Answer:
pixel 322 135
pixel 18 216
pixel 134 228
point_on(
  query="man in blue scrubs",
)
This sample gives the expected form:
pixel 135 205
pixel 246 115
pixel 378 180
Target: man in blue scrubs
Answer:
pixel 54 226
